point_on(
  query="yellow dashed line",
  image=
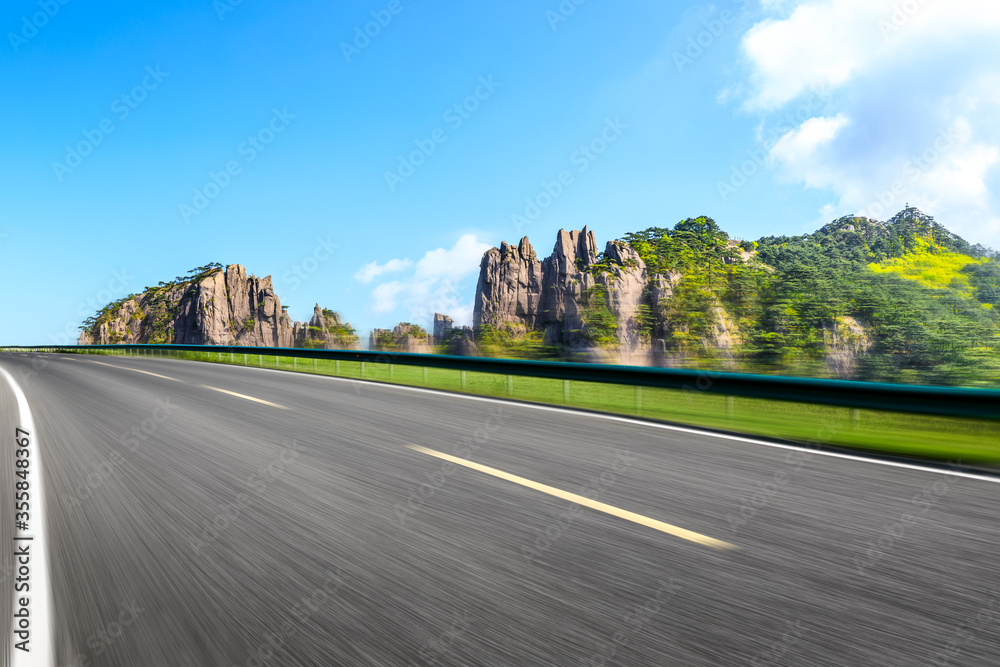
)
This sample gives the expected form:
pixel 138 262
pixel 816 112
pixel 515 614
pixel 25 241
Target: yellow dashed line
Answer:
pixel 581 500
pixel 249 398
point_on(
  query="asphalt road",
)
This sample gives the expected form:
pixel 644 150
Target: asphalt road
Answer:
pixel 189 526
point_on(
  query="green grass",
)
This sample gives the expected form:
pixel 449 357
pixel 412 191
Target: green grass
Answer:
pixel 949 439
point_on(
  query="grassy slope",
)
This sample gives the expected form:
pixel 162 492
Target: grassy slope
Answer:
pixel 932 267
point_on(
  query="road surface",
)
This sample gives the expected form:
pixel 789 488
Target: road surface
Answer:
pixel 201 514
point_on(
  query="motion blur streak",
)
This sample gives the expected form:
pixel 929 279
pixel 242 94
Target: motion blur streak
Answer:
pixel 272 521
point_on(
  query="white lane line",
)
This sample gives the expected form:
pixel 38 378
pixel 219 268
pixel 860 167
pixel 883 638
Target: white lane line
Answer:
pixel 655 524
pixel 249 398
pixel 136 370
pixel 652 424
pixel 37 592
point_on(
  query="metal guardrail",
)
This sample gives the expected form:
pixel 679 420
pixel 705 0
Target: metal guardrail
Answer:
pixel 927 400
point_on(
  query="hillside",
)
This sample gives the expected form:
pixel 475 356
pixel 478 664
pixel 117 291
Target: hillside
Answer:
pixel 904 300
pixel 214 306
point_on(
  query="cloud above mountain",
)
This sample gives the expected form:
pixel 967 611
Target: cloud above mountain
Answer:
pixel 911 107
pixel 436 283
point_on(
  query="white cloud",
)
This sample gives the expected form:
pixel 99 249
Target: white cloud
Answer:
pixel 455 263
pixel 373 270
pixel 385 296
pixel 913 113
pixel 436 284
pixel 808 138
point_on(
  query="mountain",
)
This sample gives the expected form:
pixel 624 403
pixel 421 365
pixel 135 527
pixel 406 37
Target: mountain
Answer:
pixel 214 306
pixel 903 300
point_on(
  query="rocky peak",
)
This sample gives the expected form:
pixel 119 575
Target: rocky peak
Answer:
pixel 509 288
pixel 442 324
pixel 216 307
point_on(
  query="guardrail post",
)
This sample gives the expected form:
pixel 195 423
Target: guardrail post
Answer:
pixel 855 419
pixel 464 382
pixel 337 367
pixel 391 373
pixel 730 406
pixel 244 358
pixel 638 399
pixel 295 363
pixel 362 370
pixel 510 385
pixel 565 391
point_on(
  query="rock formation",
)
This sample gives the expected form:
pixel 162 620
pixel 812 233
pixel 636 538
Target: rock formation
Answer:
pixel 846 343
pixel 405 337
pixel 518 292
pixel 214 307
pixel 442 325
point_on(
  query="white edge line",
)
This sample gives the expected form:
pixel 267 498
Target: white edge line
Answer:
pixel 640 422
pixel 40 649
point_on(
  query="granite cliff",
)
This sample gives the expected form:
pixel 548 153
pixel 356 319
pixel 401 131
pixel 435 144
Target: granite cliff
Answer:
pixel 600 307
pixel 611 307
pixel 214 306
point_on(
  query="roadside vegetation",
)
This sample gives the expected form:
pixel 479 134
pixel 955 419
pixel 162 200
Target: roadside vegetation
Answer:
pixel 969 441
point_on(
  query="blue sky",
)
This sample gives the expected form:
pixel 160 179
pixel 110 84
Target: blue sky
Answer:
pixel 369 173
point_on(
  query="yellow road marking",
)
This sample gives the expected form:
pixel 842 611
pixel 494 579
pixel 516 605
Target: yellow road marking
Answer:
pixel 581 500
pixel 249 398
pixel 135 370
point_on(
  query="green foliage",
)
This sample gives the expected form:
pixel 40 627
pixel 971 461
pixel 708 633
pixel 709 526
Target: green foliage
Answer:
pixel 508 343
pixel 384 340
pixel 923 296
pixel 919 291
pixel 599 324
pixel 158 310
pixel 414 330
